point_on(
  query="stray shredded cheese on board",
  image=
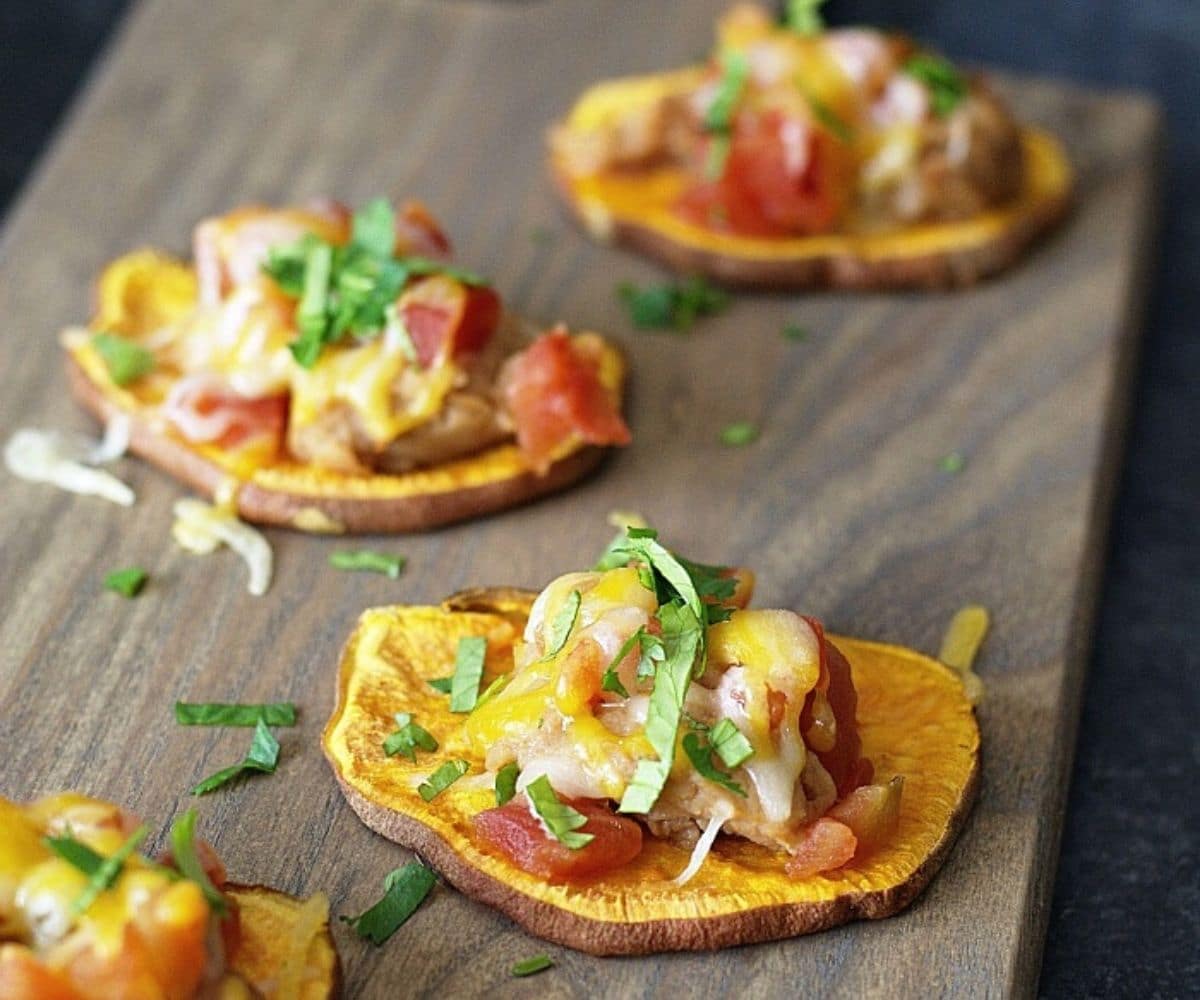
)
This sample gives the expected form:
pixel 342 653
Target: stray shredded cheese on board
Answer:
pixel 961 643
pixel 200 528
pixel 115 442
pixel 40 456
pixel 718 819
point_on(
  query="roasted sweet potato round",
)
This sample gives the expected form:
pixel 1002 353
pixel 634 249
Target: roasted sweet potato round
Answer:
pixel 913 717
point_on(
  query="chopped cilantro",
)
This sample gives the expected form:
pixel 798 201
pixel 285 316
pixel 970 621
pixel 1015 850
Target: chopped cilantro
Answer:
pixel 183 854
pixel 102 872
pixel 442 684
pixel 365 560
pixel 564 621
pixel 409 738
pixel 468 672
pixel 795 332
pixel 126 361
pixel 442 778
pixel 529 966
pixel 742 432
pixel 833 122
pixel 506 782
pixel 947 86
pixel 804 16
pixel 280 713
pixel 953 463
pixel 127 582
pixel 700 754
pixel 730 744
pixel 672 305
pixel 403 891
pixel 561 820
pixel 263 757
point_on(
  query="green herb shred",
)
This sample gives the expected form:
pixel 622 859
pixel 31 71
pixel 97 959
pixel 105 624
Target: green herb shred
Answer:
pixel 530 966
pixel 409 738
pixel 126 361
pixel 263 757
pixel 740 433
pixel 278 713
pixel 506 782
pixel 468 672
pixel 560 819
pixel 127 582
pixel 364 560
pixel 442 778
pixel 404 890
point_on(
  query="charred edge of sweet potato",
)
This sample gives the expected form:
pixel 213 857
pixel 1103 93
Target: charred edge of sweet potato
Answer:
pixel 847 271
pixel 418 512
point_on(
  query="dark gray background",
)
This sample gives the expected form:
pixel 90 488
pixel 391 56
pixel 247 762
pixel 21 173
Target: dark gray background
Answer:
pixel 1126 912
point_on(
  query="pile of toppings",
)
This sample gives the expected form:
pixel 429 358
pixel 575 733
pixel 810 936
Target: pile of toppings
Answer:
pixel 645 696
pixel 794 129
pixel 345 341
pixel 83 914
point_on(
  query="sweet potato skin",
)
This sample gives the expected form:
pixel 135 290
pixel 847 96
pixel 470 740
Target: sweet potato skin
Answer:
pixel 417 642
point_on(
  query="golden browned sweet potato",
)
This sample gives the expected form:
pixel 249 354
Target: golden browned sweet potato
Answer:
pixel 913 717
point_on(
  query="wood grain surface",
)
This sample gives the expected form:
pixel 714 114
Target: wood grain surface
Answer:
pixel 841 505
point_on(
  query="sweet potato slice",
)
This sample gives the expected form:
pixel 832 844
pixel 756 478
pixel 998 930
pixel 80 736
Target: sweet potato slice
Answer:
pixel 284 946
pixel 913 717
pixel 145 290
pixel 634 207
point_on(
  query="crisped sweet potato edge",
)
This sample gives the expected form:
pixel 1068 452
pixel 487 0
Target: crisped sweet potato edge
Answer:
pixel 575 919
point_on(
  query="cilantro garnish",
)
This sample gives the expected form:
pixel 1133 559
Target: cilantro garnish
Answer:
pixel 468 672
pixel 833 122
pixel 263 756
pixel 741 432
pixel 126 361
pixel 279 713
pixel 442 778
pixel 364 560
pixel 804 16
pixel 651 652
pixel 442 684
pixel 562 821
pixel 409 738
pixel 127 582
pixel 349 289
pixel 564 621
pixel 700 754
pixel 730 744
pixel 183 853
pixel 947 86
pixel 718 119
pixel 528 966
pixel 403 891
pixel 506 782
pixel 672 305
pixel 795 332
pixel 102 872
pixel 953 463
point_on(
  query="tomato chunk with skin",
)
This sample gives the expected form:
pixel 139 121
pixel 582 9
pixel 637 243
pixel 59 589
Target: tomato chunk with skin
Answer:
pixel 827 845
pixel 781 178
pixel 513 831
pixel 447 319
pixel 872 812
pixel 553 393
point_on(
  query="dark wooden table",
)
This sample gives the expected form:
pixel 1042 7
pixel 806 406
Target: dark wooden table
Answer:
pixel 850 518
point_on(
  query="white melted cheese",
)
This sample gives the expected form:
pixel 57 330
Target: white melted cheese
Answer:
pixel 200 528
pixel 65 461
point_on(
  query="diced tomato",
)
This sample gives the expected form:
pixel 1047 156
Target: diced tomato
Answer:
pixel 843 761
pixel 827 845
pixel 872 812
pixel 418 232
pixel 446 318
pixel 23 977
pixel 515 832
pixel 783 176
pixel 205 410
pixel 553 393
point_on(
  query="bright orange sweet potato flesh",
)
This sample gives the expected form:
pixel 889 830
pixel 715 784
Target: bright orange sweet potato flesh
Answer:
pixel 913 717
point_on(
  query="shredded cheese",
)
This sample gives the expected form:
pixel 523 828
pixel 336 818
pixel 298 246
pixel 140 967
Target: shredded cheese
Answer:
pixel 200 528
pixel 961 643
pixel 40 456
pixel 722 814
pixel 115 442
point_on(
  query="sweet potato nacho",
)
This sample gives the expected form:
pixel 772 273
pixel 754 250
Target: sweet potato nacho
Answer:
pixel 804 156
pixel 340 373
pixel 84 915
pixel 635 761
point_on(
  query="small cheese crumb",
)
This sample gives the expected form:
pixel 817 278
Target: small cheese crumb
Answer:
pixel 200 528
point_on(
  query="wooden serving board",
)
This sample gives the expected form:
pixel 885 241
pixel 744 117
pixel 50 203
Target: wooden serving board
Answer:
pixel 841 506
